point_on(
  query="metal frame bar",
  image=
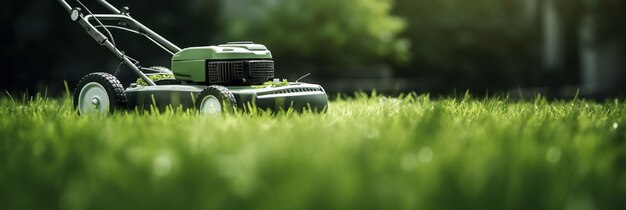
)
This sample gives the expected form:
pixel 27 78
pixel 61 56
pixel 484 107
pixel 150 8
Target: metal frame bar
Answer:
pixel 135 32
pixel 138 27
pixel 84 21
pixel 109 6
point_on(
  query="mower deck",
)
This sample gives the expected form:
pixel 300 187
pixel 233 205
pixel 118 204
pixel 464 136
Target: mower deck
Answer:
pixel 299 96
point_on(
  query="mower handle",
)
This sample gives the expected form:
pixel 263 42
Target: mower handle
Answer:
pixel 139 27
pixel 66 6
pixel 109 6
pixel 77 16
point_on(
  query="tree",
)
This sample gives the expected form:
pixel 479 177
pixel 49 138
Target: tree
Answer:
pixel 325 31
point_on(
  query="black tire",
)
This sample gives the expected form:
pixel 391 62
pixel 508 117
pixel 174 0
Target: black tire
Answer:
pixel 112 86
pixel 226 98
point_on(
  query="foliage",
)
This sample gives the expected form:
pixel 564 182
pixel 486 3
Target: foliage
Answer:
pixel 325 31
pixel 498 44
pixel 481 40
pixel 368 152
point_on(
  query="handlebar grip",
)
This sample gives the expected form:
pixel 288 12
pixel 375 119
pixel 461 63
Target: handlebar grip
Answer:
pixel 92 31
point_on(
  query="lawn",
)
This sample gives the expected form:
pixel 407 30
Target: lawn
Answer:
pixel 366 152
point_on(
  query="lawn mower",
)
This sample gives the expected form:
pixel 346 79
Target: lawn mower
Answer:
pixel 213 79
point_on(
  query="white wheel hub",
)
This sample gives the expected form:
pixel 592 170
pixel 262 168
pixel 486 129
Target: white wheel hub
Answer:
pixel 210 105
pixel 93 98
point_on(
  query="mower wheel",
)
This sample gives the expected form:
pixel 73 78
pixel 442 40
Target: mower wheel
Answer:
pixel 99 93
pixel 216 99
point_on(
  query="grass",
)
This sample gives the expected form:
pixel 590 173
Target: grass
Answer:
pixel 367 152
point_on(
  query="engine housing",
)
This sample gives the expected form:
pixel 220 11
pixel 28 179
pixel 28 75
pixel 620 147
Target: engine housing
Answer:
pixel 234 63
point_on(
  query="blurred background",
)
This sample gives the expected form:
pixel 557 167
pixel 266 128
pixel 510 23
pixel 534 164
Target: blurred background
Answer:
pixel 522 47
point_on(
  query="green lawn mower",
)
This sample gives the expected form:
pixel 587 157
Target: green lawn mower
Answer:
pixel 213 79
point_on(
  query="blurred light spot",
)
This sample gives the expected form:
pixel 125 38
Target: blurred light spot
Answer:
pixel 553 155
pixel 386 36
pixel 38 148
pixel 266 126
pixel 615 125
pixel 409 162
pixel 579 202
pixel 240 171
pixel 76 195
pixel 425 155
pixel 162 165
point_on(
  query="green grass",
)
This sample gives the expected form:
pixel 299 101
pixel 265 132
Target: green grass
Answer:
pixel 369 152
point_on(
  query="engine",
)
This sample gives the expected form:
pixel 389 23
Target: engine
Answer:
pixel 234 63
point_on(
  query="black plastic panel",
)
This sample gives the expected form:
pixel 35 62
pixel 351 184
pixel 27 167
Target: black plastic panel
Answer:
pixel 239 72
